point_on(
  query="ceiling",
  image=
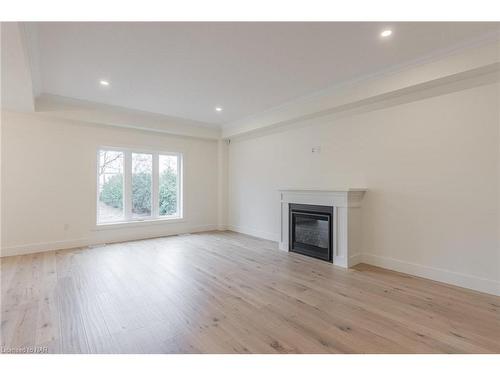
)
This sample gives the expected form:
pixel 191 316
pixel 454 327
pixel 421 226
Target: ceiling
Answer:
pixel 187 69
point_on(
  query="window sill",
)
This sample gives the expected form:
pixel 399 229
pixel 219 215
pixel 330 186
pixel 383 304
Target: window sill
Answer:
pixel 138 223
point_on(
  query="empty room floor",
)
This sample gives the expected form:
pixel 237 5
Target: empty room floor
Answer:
pixel 223 292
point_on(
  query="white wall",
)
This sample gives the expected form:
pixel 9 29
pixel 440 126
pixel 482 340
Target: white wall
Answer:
pixel 49 182
pixel 432 167
pixel 432 170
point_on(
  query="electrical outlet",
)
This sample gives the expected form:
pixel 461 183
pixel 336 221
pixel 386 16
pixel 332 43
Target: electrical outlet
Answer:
pixel 316 150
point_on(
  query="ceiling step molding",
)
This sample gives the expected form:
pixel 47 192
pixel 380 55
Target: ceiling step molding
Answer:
pixel 96 113
pixel 475 66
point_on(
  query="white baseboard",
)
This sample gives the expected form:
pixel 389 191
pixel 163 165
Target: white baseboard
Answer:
pixel 432 273
pixel 254 232
pixel 83 242
pixel 44 246
pixel 436 274
pixel 355 259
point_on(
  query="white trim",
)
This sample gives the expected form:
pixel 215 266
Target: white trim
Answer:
pixel 436 274
pixel 468 65
pixel 346 224
pixel 432 273
pixel 127 184
pixel 63 108
pixel 42 247
pixel 83 242
pixel 355 259
pixel 254 232
pixel 139 223
pixel 447 53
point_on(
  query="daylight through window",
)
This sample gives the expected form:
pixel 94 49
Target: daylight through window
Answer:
pixel 135 186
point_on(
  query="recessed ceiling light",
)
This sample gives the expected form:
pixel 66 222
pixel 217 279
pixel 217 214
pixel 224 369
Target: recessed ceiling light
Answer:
pixel 386 33
pixel 103 82
pixel 218 109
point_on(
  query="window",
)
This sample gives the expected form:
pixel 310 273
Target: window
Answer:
pixel 110 203
pixel 136 186
pixel 169 185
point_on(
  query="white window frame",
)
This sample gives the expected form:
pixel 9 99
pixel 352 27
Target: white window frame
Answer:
pixel 127 188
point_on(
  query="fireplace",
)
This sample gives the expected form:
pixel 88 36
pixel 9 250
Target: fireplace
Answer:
pixel 311 230
pixel 342 208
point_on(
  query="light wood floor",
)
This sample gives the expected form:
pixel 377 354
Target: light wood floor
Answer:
pixel 228 293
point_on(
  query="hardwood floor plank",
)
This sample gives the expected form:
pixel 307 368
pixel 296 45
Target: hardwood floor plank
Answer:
pixel 223 292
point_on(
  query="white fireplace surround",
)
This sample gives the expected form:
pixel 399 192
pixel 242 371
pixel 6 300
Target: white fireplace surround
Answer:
pixel 346 223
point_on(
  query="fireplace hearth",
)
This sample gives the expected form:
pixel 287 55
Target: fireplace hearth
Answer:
pixel 311 230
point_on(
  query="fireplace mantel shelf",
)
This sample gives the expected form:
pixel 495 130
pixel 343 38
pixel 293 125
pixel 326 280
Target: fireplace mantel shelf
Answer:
pixel 346 197
pixel 346 203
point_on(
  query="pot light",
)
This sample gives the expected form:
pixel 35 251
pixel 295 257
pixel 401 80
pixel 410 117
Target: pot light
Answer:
pixel 218 109
pixel 386 33
pixel 103 82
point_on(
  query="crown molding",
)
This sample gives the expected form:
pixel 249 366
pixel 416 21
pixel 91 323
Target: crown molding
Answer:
pixel 96 113
pixel 478 64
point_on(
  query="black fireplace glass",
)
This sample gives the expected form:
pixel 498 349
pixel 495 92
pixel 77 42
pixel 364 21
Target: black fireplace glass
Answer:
pixel 311 230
